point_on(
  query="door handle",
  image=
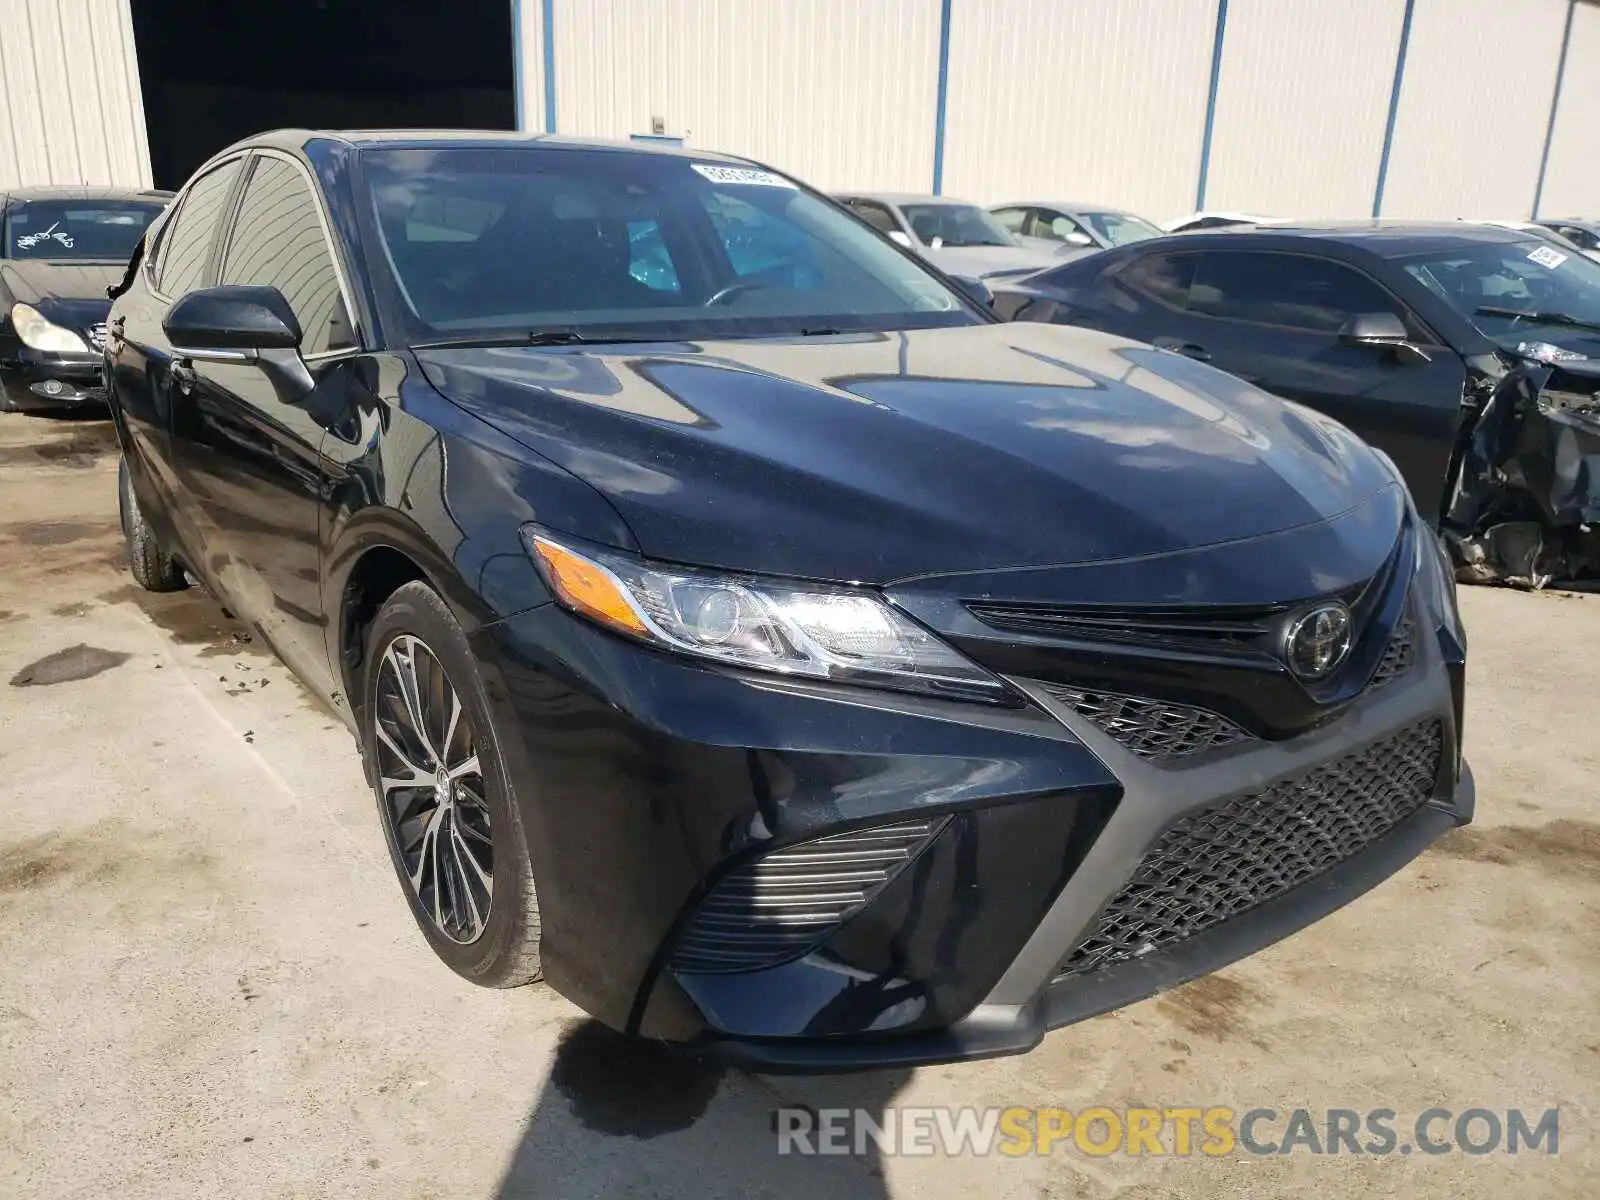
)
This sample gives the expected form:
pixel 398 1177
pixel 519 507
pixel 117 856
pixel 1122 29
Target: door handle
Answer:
pixel 1179 346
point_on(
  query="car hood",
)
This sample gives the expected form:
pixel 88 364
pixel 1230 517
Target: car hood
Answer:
pixel 880 457
pixel 978 261
pixel 69 293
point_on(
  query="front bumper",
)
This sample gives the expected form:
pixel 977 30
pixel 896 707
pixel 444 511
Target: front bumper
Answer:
pixel 38 381
pixel 647 783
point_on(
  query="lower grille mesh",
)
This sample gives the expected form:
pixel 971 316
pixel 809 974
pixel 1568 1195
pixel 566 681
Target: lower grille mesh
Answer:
pixel 1224 861
pixel 784 903
pixel 1153 729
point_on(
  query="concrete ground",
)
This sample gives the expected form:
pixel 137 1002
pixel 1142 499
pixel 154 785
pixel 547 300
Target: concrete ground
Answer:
pixel 210 984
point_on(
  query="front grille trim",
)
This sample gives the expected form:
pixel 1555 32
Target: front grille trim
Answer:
pixel 783 904
pixel 1156 730
pixel 1221 862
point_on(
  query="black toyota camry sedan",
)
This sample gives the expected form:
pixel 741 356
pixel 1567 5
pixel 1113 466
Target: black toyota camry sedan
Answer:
pixel 60 248
pixel 746 632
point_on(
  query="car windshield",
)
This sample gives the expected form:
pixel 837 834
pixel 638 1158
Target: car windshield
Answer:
pixel 590 244
pixel 1118 229
pixel 105 230
pixel 955 225
pixel 1519 292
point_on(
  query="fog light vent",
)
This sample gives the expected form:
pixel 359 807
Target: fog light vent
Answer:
pixel 783 904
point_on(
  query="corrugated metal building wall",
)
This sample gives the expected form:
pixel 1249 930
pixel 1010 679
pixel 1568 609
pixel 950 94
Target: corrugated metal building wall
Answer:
pixel 70 126
pixel 1572 179
pixel 1302 101
pixel 1283 106
pixel 832 90
pixel 1474 107
pixel 1077 99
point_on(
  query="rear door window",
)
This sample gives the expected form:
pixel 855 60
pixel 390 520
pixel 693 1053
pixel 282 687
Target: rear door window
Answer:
pixel 278 242
pixel 186 244
pixel 1291 291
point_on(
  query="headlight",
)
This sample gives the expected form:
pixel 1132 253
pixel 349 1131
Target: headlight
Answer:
pixel 41 334
pixel 768 625
pixel 1436 576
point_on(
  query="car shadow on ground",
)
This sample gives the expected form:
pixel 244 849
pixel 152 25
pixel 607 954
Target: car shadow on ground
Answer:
pixel 625 1117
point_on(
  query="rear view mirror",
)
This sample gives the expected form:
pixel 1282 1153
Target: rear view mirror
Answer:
pixel 231 318
pixel 1078 239
pixel 1373 329
pixel 900 239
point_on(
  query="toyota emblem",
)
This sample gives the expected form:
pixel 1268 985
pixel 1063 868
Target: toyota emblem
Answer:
pixel 1318 642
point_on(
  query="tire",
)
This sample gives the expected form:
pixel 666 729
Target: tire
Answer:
pixel 153 568
pixel 417 662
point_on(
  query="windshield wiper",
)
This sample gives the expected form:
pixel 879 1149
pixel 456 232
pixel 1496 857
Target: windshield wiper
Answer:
pixel 1542 318
pixel 556 335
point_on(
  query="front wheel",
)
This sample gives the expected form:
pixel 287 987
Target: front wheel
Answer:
pixel 448 812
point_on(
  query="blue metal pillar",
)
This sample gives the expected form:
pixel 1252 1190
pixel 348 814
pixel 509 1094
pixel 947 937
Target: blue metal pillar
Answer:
pixel 1211 105
pixel 944 88
pixel 1394 109
pixel 1555 102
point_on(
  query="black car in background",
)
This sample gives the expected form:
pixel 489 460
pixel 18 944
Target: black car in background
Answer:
pixel 1405 333
pixel 60 249
pixel 774 651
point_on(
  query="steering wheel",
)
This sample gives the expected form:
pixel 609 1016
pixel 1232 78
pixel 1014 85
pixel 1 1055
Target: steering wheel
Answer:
pixel 723 295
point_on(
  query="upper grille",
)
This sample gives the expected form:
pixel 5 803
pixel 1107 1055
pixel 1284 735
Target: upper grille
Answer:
pixel 97 336
pixel 1399 654
pixel 1212 630
pixel 1153 729
pixel 783 904
pixel 1223 861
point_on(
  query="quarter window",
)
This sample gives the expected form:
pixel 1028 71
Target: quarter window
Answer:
pixel 1288 290
pixel 278 242
pixel 186 246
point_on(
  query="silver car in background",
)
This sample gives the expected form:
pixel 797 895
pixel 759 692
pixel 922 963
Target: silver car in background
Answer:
pixel 958 237
pixel 1068 223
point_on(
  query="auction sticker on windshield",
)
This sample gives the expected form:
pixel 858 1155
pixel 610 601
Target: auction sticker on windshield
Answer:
pixel 745 175
pixel 1546 257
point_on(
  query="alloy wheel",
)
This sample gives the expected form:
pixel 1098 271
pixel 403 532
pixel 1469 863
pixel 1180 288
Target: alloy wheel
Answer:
pixel 432 790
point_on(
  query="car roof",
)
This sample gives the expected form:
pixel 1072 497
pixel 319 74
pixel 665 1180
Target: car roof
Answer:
pixel 1066 206
pixel 84 192
pixel 427 139
pixel 1388 239
pixel 901 198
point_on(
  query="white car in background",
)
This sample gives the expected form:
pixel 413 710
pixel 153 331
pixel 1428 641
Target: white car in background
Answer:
pixel 1218 220
pixel 957 237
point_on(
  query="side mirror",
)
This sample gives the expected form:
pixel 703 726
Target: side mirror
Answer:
pixel 1381 329
pixel 975 290
pixel 232 318
pixel 1078 239
pixel 241 324
pixel 900 238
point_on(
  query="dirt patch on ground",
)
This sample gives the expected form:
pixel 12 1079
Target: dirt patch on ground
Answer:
pixel 65 666
pixel 1570 848
pixel 98 854
pixel 55 533
pixel 192 617
pixel 85 446
pixel 1218 1007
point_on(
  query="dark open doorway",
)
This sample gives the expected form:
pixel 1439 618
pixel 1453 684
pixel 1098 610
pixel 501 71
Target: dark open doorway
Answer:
pixel 212 73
